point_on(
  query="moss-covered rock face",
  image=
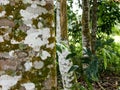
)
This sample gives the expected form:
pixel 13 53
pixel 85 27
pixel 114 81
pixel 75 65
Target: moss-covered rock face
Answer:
pixel 27 48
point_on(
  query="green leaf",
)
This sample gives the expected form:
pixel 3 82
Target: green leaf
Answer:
pixel 109 41
pixel 59 48
pixel 73 68
pixel 105 58
pixel 87 51
pixel 70 55
pixel 92 70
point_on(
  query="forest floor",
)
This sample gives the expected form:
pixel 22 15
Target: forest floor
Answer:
pixel 107 81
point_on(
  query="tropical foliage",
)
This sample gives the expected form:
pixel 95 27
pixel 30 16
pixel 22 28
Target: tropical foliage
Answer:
pixel 107 49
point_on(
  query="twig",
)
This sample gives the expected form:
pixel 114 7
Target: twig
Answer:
pixel 100 86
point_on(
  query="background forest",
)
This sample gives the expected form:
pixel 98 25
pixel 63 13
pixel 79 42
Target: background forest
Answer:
pixel 97 63
pixel 36 36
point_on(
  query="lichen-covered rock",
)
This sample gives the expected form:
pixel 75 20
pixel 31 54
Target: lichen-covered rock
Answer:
pixel 27 45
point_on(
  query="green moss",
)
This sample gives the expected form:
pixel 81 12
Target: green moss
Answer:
pixel 19 35
pixel 1 8
pixel 2 31
pixel 34 75
pixel 9 9
pixel 15 9
pixel 48 18
pixel 35 58
pixel 35 78
pixel 7 46
pixel 35 22
pixel 51 40
pixel 10 72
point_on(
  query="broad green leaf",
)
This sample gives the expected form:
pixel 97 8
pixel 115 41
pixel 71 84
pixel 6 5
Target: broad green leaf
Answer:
pixel 70 55
pixel 73 68
pixel 104 58
pixel 59 48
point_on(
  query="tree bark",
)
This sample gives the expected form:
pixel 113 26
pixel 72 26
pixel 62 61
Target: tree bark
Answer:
pixel 86 38
pixel 94 26
pixel 27 45
pixel 63 20
pixel 68 79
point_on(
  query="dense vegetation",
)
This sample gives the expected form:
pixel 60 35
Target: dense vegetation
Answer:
pixel 103 70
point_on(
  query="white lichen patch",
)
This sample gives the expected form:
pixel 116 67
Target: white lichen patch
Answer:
pixel 38 2
pixel 29 86
pixel 38 64
pixel 51 45
pixel 1 39
pixel 27 15
pixel 10 16
pixel 34 5
pixel 7 81
pixel 4 2
pixel 42 2
pixel 40 25
pixel 31 1
pixel 63 61
pixel 11 53
pixel 6 36
pixel 65 65
pixel 2 13
pixel 45 55
pixel 28 23
pixel 28 66
pixel 27 1
pixel 32 12
pixel 36 38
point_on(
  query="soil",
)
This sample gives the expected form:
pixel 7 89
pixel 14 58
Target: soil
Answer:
pixel 107 81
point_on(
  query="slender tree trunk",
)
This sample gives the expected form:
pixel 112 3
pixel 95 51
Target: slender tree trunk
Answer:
pixel 86 38
pixel 58 27
pixel 94 26
pixel 27 45
pixel 68 79
pixel 63 20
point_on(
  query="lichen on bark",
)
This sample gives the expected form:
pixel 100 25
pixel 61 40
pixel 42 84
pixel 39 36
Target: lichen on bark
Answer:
pixel 86 38
pixel 26 37
pixel 68 78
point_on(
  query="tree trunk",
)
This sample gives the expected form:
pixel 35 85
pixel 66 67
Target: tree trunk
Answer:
pixel 94 26
pixel 27 45
pixel 86 38
pixel 68 79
